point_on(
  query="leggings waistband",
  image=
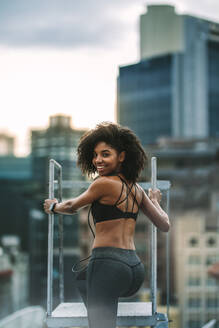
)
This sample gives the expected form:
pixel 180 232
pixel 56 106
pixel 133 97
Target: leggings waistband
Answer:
pixel 128 256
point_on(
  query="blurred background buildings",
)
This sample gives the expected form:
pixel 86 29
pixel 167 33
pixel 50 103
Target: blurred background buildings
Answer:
pixel 23 187
pixel 170 99
pixel 175 85
pixel 14 276
pixel 58 141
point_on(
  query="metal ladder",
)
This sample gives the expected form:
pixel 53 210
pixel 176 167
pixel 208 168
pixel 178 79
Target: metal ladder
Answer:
pixel 129 313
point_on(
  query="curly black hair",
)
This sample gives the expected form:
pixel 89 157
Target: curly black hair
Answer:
pixel 121 139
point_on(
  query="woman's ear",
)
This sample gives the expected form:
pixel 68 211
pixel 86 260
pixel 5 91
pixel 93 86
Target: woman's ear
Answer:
pixel 122 156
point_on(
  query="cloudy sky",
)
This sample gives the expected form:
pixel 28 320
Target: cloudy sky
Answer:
pixel 62 56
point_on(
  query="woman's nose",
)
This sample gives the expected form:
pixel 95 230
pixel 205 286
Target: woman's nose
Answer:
pixel 98 159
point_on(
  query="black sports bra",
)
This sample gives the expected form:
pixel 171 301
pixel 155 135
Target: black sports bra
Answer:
pixel 104 212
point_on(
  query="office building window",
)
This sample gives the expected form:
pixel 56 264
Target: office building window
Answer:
pixel 193 242
pixel 68 220
pixel 213 78
pixel 144 102
pixel 212 302
pixel 211 259
pixel 194 302
pixel 194 281
pixel 194 324
pixel 41 152
pixel 194 259
pixel 209 317
pixel 211 281
pixel 41 142
pixel 211 242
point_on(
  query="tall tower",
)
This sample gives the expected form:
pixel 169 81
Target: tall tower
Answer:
pixel 161 31
pixel 59 141
pixel 173 90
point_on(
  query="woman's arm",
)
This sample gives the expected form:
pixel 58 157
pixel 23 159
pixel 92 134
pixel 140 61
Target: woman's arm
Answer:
pixel 95 191
pixel 151 208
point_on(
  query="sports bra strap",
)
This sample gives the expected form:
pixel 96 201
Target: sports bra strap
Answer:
pixel 129 191
pixel 120 194
pixel 127 198
pixel 134 200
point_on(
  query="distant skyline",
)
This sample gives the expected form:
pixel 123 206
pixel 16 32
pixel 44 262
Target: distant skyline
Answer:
pixel 63 57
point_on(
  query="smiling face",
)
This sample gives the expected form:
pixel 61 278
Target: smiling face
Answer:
pixel 106 159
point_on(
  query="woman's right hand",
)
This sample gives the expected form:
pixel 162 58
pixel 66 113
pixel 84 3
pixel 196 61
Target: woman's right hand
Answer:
pixel 155 195
pixel 47 204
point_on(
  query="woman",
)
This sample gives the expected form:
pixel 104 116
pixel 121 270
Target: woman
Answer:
pixel 114 269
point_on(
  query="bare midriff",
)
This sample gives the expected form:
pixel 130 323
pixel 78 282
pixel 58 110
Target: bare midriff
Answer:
pixel 115 233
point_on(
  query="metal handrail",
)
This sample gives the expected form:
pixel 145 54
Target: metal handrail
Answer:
pixel 168 258
pixel 153 243
pixel 61 249
pixel 154 248
pixel 52 186
pixel 52 165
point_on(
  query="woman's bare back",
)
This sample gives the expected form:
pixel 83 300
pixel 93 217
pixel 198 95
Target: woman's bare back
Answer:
pixel 119 232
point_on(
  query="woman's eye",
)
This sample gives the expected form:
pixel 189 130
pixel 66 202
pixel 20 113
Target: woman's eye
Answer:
pixel 105 155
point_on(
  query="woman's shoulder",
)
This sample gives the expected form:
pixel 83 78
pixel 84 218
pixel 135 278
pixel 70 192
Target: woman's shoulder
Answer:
pixel 104 186
pixel 105 181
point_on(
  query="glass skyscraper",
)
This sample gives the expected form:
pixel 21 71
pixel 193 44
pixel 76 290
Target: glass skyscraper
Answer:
pixel 173 91
pixel 145 93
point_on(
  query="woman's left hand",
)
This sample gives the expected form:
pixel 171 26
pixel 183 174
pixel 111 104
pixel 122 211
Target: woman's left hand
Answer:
pixel 47 204
pixel 155 195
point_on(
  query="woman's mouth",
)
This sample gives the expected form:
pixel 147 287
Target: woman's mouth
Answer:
pixel 100 167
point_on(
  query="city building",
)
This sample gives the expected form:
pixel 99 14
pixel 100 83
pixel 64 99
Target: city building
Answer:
pixel 7 143
pixel 173 90
pixel 59 142
pixel 196 249
pixel 16 192
pixel 15 168
pixel 191 166
pixel 19 194
pixel 14 276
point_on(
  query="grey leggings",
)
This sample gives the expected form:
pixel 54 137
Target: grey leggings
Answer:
pixel 112 273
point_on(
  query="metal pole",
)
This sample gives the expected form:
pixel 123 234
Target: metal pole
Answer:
pixel 61 258
pixel 50 242
pixel 168 258
pixel 154 243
